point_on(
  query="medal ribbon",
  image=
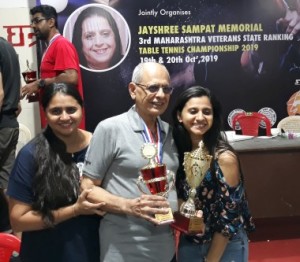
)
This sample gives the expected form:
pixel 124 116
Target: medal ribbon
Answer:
pixel 148 138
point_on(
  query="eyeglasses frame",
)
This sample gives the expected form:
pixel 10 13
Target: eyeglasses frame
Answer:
pixel 160 87
pixel 36 21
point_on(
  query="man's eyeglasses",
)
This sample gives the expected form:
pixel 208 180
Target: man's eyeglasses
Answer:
pixel 37 20
pixel 154 88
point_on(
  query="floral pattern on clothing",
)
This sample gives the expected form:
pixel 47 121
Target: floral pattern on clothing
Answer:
pixel 225 209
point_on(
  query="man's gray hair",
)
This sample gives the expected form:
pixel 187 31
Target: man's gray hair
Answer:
pixel 137 75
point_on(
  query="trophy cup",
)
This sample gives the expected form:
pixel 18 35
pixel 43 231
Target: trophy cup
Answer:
pixel 196 164
pixel 154 177
pixel 29 76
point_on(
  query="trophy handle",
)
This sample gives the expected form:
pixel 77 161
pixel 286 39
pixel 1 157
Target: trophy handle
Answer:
pixel 188 208
pixel 171 182
pixel 139 183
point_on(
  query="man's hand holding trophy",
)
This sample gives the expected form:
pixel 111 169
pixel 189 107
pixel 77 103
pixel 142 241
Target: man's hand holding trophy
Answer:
pixel 30 76
pixel 156 178
pixel 196 163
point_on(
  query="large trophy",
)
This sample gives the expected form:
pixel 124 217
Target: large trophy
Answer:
pixel 196 164
pixel 29 76
pixel 156 178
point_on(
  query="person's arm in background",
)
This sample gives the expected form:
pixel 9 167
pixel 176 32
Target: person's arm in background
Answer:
pixel 252 61
pixel 230 168
pixel 18 111
pixel 1 91
pixel 68 76
pixel 291 20
pixel 144 207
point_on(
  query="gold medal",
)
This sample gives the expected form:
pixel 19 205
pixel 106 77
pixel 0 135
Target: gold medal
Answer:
pixel 149 150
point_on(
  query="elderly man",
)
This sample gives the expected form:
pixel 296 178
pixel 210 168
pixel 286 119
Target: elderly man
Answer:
pixel 129 230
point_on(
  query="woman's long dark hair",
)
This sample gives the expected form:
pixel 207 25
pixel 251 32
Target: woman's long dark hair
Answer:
pixel 213 139
pixel 77 33
pixel 56 182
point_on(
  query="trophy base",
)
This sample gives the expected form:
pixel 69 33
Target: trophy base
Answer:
pixel 33 98
pixel 190 226
pixel 166 218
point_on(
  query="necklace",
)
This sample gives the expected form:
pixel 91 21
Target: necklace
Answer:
pixel 76 144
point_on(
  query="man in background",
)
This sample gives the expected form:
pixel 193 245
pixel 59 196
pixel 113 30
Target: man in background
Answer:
pixel 60 63
pixel 10 84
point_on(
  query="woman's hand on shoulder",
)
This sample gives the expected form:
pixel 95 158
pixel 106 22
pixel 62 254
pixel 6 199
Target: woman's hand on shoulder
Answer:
pixel 229 165
pixel 84 207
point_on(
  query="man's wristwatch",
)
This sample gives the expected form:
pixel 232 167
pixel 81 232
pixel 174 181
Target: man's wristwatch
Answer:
pixel 42 83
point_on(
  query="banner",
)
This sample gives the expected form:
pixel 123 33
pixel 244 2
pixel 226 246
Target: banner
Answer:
pixel 244 51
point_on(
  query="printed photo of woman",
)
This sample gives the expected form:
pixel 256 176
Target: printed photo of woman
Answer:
pixel 100 35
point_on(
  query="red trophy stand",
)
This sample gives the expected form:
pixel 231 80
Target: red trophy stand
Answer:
pixel 154 177
pixel 29 76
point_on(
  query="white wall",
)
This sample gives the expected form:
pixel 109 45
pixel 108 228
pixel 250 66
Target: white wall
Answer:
pixel 14 23
pixel 16 3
